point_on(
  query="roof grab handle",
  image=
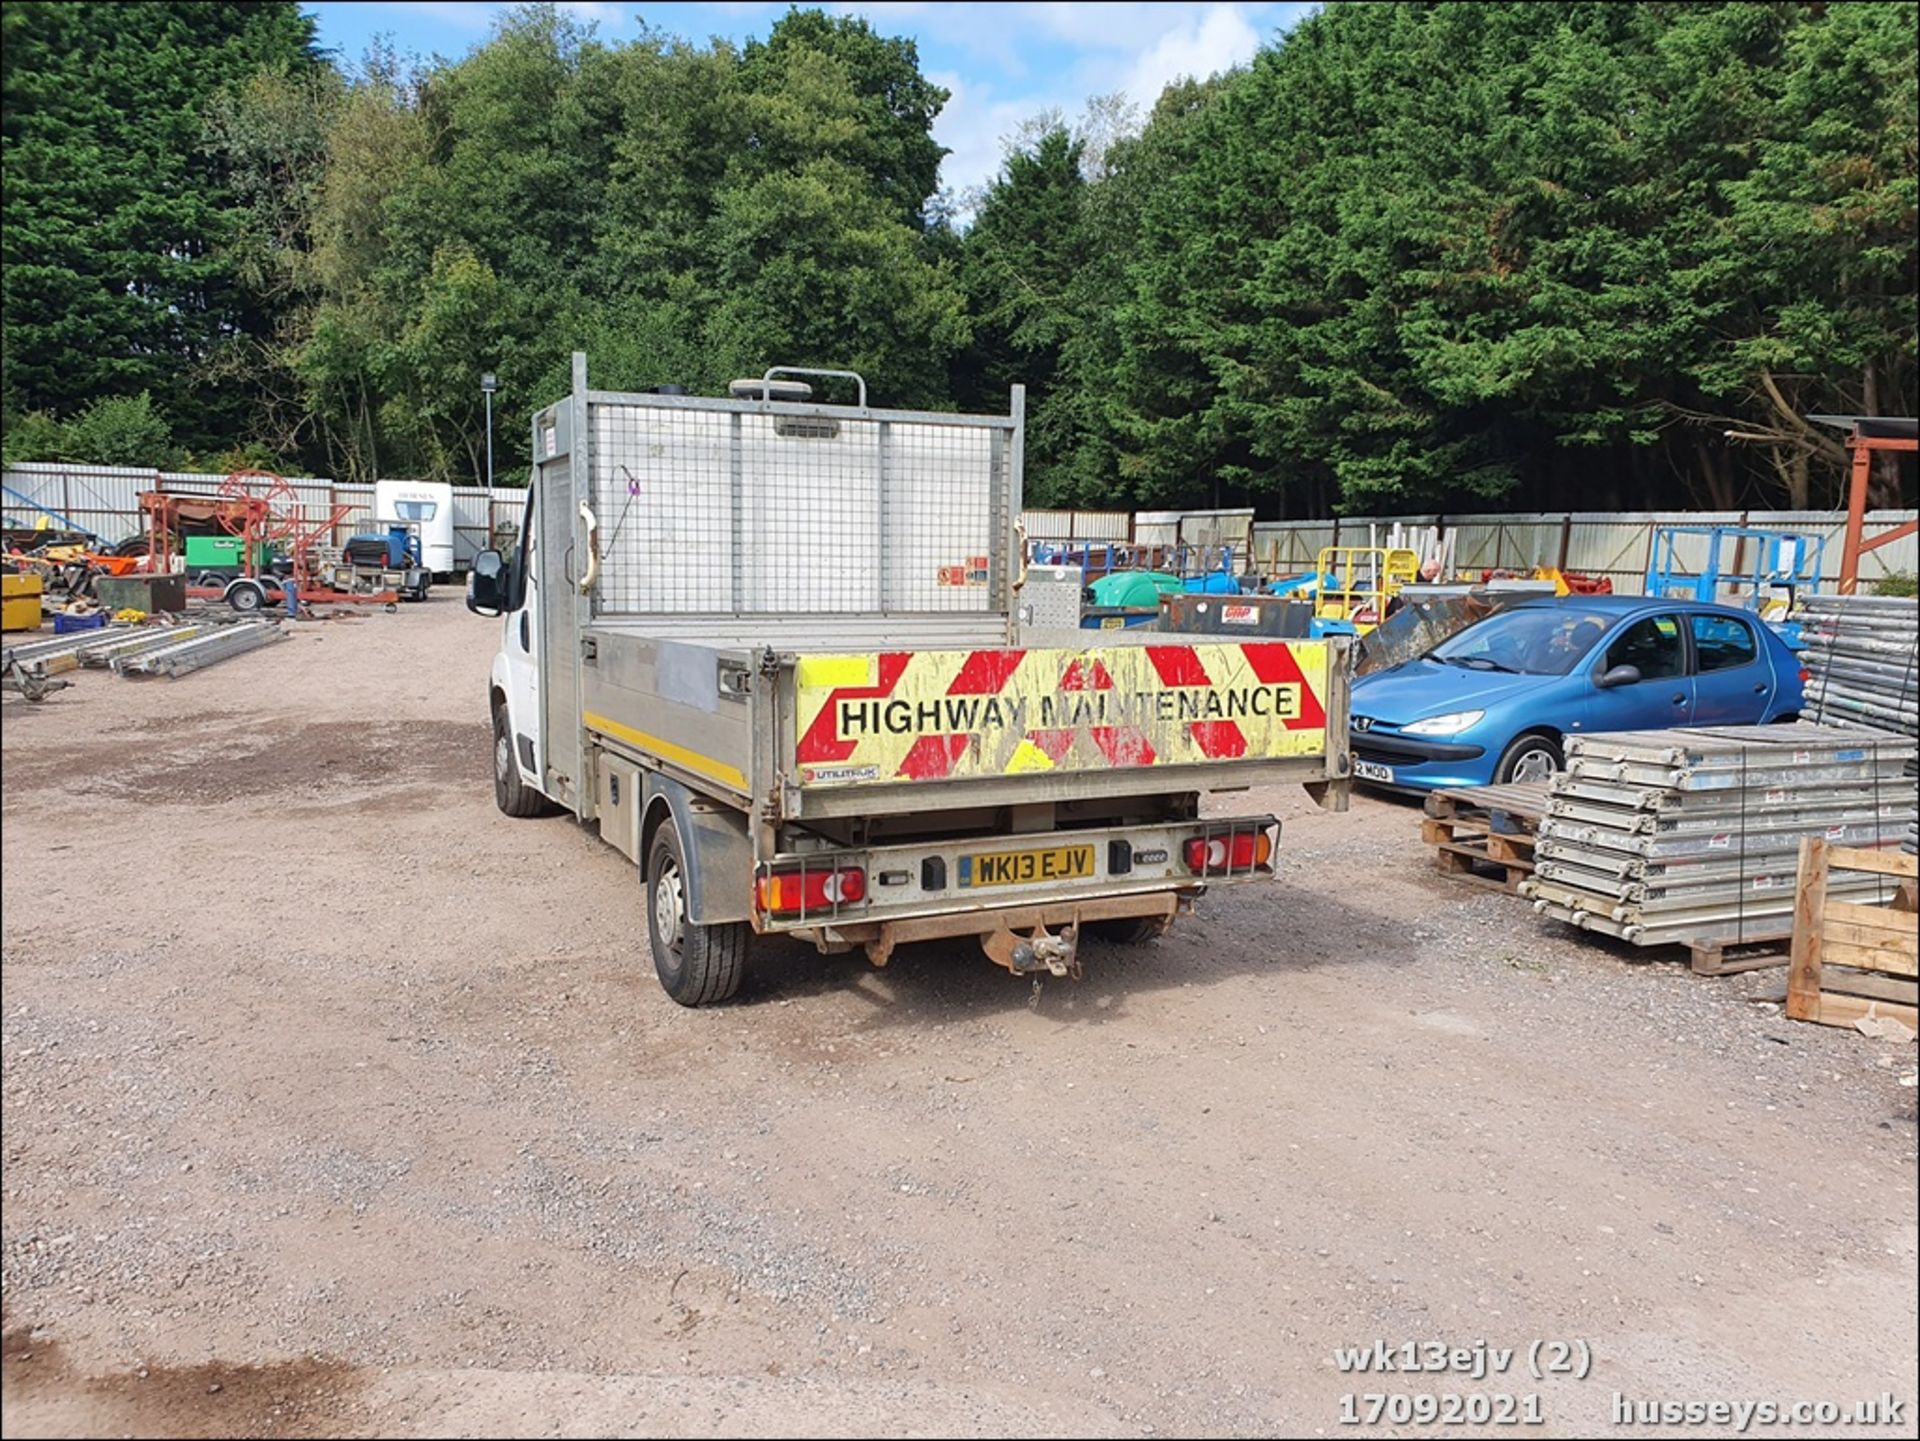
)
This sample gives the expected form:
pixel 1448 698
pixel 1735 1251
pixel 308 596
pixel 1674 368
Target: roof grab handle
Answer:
pixel 854 376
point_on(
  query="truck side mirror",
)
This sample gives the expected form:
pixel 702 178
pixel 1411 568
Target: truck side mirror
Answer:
pixel 1618 676
pixel 487 583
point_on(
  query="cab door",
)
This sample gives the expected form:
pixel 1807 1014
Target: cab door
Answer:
pixel 521 645
pixel 1656 647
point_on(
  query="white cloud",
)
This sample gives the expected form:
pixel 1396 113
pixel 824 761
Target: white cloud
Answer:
pixel 1075 52
pixel 985 31
pixel 451 12
pixel 607 16
pixel 972 127
pixel 1218 39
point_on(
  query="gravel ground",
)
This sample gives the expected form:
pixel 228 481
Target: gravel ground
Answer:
pixel 337 1102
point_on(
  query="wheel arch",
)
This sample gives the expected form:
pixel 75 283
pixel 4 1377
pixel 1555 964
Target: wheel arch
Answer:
pixel 714 844
pixel 1538 730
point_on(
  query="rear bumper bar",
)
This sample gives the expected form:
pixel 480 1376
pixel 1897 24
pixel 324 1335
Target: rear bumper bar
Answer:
pixel 1138 871
pixel 1067 917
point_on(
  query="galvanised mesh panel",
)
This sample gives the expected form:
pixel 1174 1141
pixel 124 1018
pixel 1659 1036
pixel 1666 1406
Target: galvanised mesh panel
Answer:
pixel 752 510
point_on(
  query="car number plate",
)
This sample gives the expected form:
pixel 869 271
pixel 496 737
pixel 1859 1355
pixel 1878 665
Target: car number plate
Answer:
pixel 1372 771
pixel 1019 868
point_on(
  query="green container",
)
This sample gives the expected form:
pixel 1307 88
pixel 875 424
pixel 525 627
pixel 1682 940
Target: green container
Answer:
pixel 222 552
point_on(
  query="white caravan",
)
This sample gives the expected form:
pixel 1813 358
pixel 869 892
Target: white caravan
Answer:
pixel 426 505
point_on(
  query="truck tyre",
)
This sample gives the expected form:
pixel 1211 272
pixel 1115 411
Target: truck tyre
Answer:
pixel 512 794
pixel 1127 930
pixel 247 597
pixel 1530 758
pixel 697 965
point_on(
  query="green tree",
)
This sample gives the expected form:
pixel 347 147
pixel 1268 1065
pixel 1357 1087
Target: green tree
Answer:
pixel 121 430
pixel 1461 253
pixel 1020 261
pixel 33 436
pixel 811 269
pixel 887 123
pixel 115 216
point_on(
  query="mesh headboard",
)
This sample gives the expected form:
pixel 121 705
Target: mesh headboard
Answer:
pixel 748 507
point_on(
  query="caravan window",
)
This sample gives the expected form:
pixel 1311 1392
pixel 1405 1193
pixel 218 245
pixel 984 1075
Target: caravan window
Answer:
pixel 420 510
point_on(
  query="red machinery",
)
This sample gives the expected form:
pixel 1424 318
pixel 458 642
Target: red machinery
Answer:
pixel 1867 436
pixel 275 517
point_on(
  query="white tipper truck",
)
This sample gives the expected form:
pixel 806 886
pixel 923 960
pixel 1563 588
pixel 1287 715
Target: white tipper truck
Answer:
pixel 773 649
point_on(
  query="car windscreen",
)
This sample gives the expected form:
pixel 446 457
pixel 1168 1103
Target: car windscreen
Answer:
pixel 1530 640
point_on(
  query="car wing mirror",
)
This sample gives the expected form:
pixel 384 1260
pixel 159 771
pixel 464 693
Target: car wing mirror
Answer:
pixel 1619 675
pixel 487 583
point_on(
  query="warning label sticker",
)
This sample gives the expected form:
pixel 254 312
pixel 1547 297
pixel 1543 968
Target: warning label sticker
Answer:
pixel 934 715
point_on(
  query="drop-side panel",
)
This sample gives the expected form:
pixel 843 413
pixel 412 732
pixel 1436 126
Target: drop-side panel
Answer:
pixel 683 704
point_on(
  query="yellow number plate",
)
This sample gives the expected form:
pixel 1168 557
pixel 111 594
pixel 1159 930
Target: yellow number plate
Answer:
pixel 1019 868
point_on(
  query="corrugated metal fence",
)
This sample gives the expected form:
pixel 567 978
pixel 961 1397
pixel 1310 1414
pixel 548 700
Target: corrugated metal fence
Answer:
pixel 1612 544
pixel 106 501
pixel 1077 524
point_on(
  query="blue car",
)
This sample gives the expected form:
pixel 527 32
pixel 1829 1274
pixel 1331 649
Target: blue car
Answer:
pixel 1494 702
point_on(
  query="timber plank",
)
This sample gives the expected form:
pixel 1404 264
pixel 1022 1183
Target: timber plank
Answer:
pixel 1803 965
pixel 1832 1010
pixel 1885 863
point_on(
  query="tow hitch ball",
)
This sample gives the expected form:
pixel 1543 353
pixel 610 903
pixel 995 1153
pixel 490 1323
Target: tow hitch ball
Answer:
pixel 1038 951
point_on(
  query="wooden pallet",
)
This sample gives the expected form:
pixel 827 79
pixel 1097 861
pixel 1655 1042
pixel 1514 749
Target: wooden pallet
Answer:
pixel 1852 961
pixel 1730 957
pixel 1485 834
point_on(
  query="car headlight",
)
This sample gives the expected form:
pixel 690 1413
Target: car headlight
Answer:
pixel 1444 725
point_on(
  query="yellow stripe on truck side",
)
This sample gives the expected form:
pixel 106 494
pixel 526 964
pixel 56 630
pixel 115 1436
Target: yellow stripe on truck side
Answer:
pixel 667 750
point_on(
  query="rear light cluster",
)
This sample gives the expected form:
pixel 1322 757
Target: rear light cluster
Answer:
pixel 1228 852
pixel 802 890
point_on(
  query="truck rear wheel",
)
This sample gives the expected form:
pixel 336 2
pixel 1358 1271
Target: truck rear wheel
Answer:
pixel 512 794
pixel 697 965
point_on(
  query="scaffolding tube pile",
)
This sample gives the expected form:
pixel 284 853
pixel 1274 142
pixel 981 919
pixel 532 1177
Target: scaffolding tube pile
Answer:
pixel 49 655
pixel 1693 836
pixel 1863 653
pixel 201 651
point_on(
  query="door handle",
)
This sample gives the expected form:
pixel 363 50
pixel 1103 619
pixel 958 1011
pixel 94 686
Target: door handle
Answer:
pixel 1680 699
pixel 525 634
pixel 1760 689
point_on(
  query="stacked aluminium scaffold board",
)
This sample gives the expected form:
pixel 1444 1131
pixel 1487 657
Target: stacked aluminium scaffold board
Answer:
pixel 1692 836
pixel 1863 653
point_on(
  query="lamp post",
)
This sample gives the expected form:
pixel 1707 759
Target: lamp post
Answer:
pixel 487 387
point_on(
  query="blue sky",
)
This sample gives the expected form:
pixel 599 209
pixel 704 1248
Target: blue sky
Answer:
pixel 1004 62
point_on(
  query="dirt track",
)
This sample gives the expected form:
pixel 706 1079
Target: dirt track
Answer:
pixel 334 1100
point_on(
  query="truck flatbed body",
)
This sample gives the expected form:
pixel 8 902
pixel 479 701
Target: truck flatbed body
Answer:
pixel 772 650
